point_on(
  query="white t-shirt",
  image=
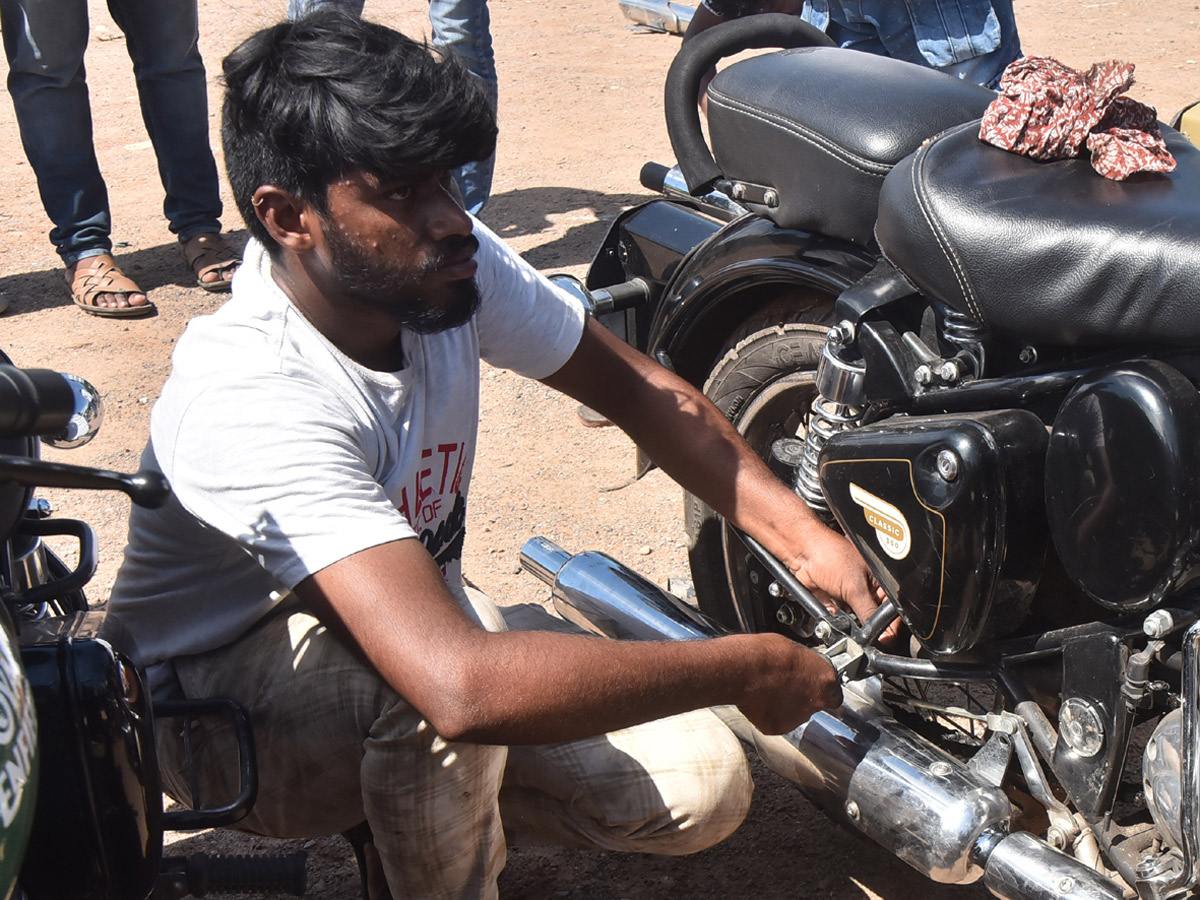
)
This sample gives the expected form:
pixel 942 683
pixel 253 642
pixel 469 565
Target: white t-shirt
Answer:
pixel 286 456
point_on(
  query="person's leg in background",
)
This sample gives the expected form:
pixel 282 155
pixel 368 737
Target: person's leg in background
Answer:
pixel 44 43
pixel 464 26
pixel 163 44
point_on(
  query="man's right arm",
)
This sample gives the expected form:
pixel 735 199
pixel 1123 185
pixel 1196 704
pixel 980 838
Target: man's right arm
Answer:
pixel 523 687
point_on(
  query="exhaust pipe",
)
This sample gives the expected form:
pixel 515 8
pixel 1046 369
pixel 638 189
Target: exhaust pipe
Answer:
pixel 856 762
pixel 659 15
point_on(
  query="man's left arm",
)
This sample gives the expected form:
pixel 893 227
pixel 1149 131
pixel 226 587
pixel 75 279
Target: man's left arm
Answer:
pixel 689 438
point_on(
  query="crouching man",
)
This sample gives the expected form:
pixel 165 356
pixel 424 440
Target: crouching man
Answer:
pixel 328 408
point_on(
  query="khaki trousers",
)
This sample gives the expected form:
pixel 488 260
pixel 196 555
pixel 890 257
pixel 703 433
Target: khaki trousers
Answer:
pixel 337 746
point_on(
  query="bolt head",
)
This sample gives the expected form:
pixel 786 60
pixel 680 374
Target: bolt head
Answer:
pixel 1028 355
pixel 770 198
pixel 947 464
pixel 949 371
pixel 852 810
pixel 841 333
pixel 923 374
pixel 822 631
pixel 1158 624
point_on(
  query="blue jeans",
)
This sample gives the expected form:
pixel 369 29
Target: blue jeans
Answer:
pixel 972 39
pixel 463 26
pixel 44 41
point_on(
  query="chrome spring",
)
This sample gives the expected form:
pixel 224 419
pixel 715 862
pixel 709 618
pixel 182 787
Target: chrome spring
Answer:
pixel 827 419
pixel 969 334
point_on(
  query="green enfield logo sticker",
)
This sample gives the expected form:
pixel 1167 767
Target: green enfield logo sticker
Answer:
pixel 18 735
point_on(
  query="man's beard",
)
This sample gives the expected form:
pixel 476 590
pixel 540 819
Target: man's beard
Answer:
pixel 402 293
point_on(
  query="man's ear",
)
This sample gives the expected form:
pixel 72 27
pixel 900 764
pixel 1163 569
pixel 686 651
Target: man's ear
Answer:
pixel 292 222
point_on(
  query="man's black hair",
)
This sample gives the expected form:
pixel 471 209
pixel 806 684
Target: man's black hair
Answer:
pixel 309 101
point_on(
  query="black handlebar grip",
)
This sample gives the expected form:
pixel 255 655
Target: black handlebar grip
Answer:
pixel 34 402
pixel 696 57
pixel 653 176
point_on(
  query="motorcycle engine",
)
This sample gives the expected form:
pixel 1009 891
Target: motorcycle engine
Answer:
pixel 947 510
pixel 1121 480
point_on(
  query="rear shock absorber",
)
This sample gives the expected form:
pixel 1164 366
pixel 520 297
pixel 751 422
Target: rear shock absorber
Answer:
pixel 838 406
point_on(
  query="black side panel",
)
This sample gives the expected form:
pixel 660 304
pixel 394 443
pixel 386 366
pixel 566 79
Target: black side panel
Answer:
pixel 947 511
pixel 97 830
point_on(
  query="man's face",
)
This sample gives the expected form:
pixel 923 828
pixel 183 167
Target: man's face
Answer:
pixel 404 247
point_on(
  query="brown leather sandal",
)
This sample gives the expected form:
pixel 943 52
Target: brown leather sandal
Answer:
pixel 211 254
pixel 98 275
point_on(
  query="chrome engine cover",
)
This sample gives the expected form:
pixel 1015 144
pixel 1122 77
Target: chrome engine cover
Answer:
pixel 1162 776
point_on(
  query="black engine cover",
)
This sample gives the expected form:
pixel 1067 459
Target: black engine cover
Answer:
pixel 947 511
pixel 1121 479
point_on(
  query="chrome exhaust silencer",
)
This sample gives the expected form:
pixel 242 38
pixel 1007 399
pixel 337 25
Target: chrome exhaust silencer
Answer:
pixel 659 15
pixel 856 762
pixel 600 595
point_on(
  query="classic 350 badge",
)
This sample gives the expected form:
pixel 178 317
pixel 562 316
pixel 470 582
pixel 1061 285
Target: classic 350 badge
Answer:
pixel 891 528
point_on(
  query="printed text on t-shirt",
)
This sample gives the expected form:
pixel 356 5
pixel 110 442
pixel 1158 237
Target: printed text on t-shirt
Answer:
pixel 432 482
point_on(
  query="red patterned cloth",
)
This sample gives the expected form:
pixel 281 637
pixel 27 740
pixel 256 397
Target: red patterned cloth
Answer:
pixel 1047 110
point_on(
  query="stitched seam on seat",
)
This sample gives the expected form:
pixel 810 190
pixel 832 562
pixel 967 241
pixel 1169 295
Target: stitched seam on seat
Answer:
pixel 948 251
pixel 828 147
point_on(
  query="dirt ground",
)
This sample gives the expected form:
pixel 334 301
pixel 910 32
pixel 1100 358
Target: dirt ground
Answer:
pixel 580 111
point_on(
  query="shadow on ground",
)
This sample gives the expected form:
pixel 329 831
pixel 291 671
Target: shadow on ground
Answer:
pixel 532 211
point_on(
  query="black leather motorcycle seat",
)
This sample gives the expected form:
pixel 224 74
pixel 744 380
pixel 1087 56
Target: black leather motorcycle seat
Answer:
pixel 1048 251
pixel 822 126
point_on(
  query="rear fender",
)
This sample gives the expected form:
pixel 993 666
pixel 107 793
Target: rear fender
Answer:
pixel 708 279
pixel 749 266
pixel 648 242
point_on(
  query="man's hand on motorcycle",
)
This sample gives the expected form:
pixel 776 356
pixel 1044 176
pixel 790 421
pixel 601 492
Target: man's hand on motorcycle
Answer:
pixel 799 683
pixel 835 572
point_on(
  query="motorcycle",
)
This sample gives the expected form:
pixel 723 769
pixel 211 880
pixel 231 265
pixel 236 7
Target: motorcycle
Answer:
pixel 81 806
pixel 983 370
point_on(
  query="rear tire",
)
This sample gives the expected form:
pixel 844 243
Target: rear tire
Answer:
pixel 765 384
